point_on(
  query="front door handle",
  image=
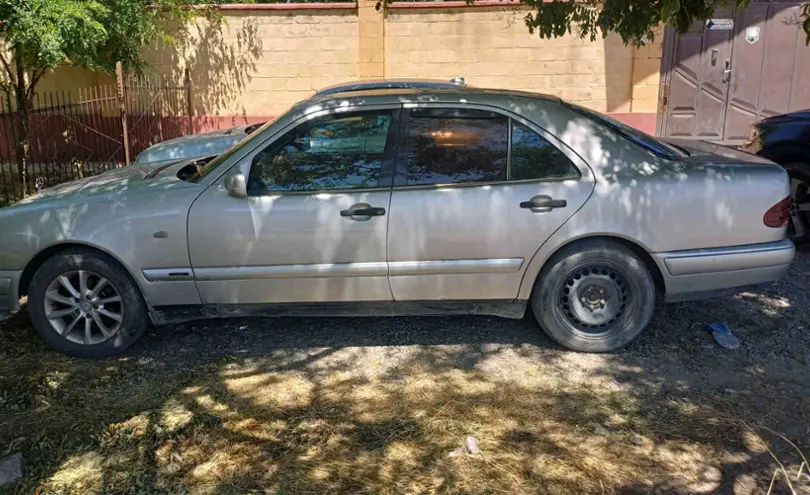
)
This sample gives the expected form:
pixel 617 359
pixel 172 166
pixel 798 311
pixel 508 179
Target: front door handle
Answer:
pixel 544 203
pixel 362 211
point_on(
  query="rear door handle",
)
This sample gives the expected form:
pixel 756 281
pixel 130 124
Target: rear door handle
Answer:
pixel 543 202
pixel 363 211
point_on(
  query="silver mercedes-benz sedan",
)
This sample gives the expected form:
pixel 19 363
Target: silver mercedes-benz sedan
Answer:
pixel 402 200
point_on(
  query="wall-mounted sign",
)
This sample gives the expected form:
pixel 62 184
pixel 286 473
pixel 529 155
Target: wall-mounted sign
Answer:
pixel 720 24
pixel 752 34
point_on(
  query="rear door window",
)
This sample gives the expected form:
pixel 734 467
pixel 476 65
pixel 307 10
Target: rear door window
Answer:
pixel 453 146
pixel 448 146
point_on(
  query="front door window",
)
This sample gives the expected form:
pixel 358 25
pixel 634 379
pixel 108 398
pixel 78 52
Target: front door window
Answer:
pixel 336 152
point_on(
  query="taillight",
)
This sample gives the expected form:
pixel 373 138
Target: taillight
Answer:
pixel 777 215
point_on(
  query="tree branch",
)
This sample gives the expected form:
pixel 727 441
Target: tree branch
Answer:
pixel 36 75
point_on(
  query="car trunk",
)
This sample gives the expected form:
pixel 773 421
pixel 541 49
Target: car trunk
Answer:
pixel 704 151
pixel 735 189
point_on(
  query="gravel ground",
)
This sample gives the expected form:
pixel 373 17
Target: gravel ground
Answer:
pixel 673 388
pixel 772 325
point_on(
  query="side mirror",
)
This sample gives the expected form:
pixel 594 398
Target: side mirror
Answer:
pixel 236 186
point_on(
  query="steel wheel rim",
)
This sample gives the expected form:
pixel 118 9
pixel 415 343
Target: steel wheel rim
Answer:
pixel 593 298
pixel 83 307
pixel 799 207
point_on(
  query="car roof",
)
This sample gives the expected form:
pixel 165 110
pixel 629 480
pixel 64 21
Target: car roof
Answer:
pixel 455 94
pixel 456 82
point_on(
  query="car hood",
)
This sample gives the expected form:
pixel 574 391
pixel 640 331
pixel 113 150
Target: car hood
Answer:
pixel 197 145
pixel 112 182
pixel 234 132
pixel 704 151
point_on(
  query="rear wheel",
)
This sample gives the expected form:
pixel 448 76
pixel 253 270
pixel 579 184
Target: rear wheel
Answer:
pixel 84 304
pixel 594 296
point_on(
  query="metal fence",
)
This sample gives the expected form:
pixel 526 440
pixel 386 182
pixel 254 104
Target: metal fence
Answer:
pixel 83 132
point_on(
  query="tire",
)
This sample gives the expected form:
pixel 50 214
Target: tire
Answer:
pixel 618 291
pixel 118 307
pixel 799 198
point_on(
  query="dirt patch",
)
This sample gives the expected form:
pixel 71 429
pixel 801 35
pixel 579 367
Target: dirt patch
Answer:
pixel 376 405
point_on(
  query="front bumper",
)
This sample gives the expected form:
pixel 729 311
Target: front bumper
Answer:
pixel 9 297
pixel 700 273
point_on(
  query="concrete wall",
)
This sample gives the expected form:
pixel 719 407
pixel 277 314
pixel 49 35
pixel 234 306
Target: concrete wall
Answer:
pixel 259 62
pixel 491 47
pixel 265 57
pixel 646 75
pixel 66 77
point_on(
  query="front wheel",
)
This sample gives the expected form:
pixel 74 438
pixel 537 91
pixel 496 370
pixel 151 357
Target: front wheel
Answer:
pixel 594 296
pixel 84 304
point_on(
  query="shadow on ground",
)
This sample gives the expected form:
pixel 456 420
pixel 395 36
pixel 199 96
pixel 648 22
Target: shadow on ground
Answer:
pixel 376 405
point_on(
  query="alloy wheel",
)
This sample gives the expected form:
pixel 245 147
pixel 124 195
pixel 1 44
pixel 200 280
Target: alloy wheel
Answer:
pixel 83 307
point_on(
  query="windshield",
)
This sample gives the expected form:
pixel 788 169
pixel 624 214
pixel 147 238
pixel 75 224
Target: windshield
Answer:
pixel 640 138
pixel 209 167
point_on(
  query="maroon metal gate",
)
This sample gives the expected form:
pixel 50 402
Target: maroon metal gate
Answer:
pixel 156 110
pixel 83 132
pixel 739 67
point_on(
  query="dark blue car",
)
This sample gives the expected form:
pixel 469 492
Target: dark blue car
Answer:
pixel 785 139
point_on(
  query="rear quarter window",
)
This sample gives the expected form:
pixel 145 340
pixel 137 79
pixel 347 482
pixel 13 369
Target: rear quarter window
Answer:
pixel 534 157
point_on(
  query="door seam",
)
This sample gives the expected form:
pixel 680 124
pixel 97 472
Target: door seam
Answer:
pixel 395 153
pixel 727 100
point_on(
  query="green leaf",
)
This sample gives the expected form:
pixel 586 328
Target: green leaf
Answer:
pixel 41 34
pixel 669 8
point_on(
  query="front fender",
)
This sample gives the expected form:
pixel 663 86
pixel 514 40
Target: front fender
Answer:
pixel 140 229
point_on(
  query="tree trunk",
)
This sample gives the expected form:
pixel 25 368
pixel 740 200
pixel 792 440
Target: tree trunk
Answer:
pixel 22 149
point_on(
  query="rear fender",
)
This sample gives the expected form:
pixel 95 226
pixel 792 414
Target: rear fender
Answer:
pixel 569 234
